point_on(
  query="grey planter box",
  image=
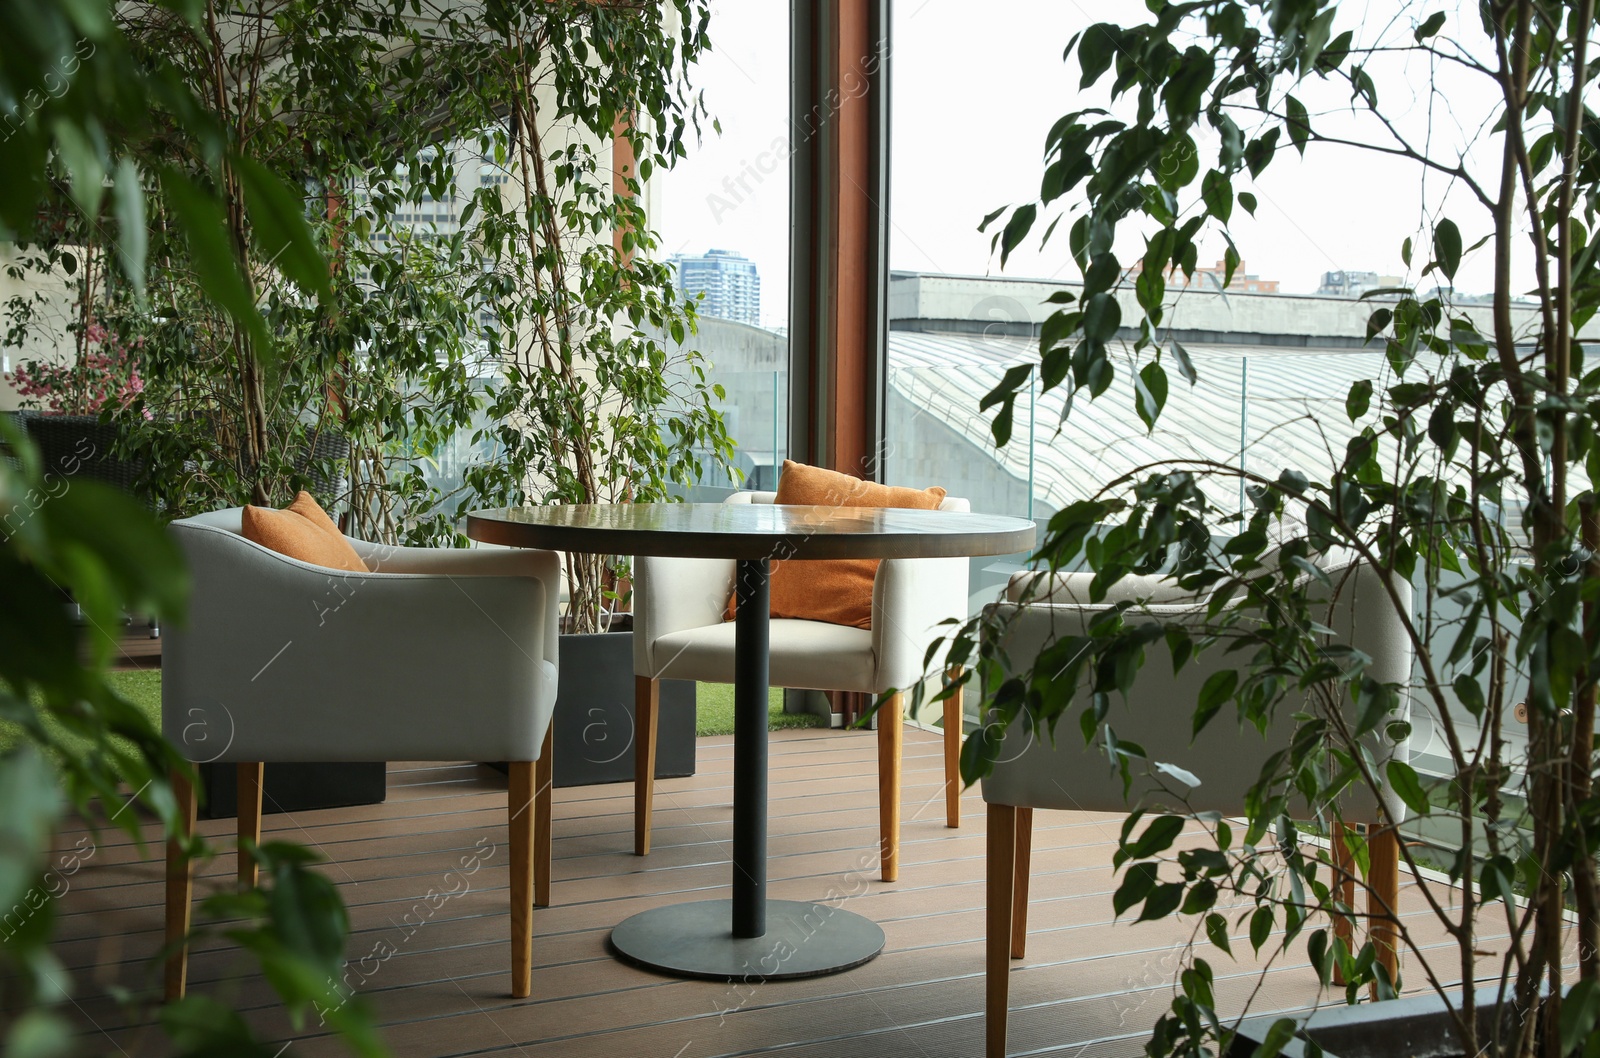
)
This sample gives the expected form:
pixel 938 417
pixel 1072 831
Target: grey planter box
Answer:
pixel 290 787
pixel 1418 1027
pixel 594 728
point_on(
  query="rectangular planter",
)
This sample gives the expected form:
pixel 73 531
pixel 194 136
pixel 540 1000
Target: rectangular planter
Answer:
pixel 594 729
pixel 291 787
pixel 1417 1027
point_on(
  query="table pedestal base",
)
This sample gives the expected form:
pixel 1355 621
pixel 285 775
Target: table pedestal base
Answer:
pixel 694 940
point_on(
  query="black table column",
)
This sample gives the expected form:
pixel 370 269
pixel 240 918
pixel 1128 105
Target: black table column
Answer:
pixel 751 635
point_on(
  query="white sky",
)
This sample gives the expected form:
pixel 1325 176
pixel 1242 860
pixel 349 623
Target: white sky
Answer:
pixel 975 89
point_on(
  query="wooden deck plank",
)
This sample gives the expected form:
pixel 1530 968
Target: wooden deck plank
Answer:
pixel 1090 986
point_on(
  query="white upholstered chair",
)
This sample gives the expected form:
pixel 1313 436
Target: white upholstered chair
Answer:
pixel 437 655
pixel 679 633
pixel 1063 773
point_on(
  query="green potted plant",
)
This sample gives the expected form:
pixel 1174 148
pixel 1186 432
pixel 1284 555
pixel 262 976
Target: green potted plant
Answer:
pixel 1467 470
pixel 584 403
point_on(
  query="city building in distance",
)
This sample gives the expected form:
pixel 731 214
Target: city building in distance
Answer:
pixel 1349 284
pixel 729 281
pixel 1212 279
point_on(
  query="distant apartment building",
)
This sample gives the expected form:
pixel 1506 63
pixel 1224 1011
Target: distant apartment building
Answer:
pixel 729 281
pixel 1347 284
pixel 1212 277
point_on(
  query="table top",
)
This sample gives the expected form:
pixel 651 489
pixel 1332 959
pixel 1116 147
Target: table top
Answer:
pixel 752 530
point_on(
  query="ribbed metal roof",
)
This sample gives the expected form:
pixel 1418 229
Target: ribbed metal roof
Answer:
pixel 1295 409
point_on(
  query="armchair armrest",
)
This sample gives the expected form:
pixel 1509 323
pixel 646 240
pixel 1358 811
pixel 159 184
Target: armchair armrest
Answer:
pixel 674 595
pixel 911 598
pixel 542 566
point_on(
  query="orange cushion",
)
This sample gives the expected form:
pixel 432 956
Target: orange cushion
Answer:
pixel 836 590
pixel 304 531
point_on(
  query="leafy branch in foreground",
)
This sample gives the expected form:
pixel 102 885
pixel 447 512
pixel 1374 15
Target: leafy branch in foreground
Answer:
pixel 1464 471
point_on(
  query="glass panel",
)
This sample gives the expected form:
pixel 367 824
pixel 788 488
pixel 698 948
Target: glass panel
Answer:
pixel 723 215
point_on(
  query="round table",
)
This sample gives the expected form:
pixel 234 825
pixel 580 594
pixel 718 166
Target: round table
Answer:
pixel 749 937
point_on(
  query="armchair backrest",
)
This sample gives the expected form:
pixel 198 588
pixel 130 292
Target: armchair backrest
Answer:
pixel 951 503
pixel 1060 772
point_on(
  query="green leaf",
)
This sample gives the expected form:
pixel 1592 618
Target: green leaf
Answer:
pixel 1185 365
pixel 1217 931
pixel 279 221
pixel 1151 394
pixel 1430 26
pixel 1403 781
pixel 1185 87
pixel 1157 837
pixel 1102 315
pixel 1096 49
pixel 216 268
pixel 127 200
pixel 1278 1037
pixel 1579 1011
pixel 1299 123
pixel 1217 191
pixel 39 1034
pixel 32 806
pixel 1248 201
pixel 1359 399
pixel 86 172
pixel 1217 689
pixel 199 1024
pixel 1161 902
pixel 1203 897
pixel 1137 882
pixel 1447 247
pixel 1260 926
pixel 1016 230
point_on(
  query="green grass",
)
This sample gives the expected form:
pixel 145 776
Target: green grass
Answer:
pixel 713 705
pixel 142 687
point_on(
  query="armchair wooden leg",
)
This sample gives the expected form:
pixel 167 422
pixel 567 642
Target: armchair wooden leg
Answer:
pixel 1343 887
pixel 646 706
pixel 248 784
pixel 520 810
pixel 891 732
pixel 180 892
pixel 543 827
pixel 953 722
pixel 1001 899
pixel 1019 885
pixel 1383 895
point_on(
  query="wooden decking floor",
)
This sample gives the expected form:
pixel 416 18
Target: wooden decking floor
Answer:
pixel 1088 987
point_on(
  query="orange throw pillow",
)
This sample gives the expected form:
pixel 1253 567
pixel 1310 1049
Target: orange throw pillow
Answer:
pixel 304 531
pixel 836 590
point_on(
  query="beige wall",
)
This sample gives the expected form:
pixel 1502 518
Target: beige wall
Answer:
pixel 49 340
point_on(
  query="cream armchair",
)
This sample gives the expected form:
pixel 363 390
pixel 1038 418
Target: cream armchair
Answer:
pixel 679 633
pixel 1035 771
pixel 436 655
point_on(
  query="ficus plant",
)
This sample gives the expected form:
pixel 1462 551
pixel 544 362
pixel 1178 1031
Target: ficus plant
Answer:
pixel 74 96
pixel 1465 469
pixel 490 299
pixel 586 404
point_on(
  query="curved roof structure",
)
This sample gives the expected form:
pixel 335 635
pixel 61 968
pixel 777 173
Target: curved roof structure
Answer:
pixel 1288 405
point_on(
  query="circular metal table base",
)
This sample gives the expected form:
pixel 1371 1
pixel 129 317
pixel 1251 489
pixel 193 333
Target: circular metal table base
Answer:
pixel 695 940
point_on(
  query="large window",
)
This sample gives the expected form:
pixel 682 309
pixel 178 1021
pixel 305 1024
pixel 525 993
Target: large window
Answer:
pixel 723 216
